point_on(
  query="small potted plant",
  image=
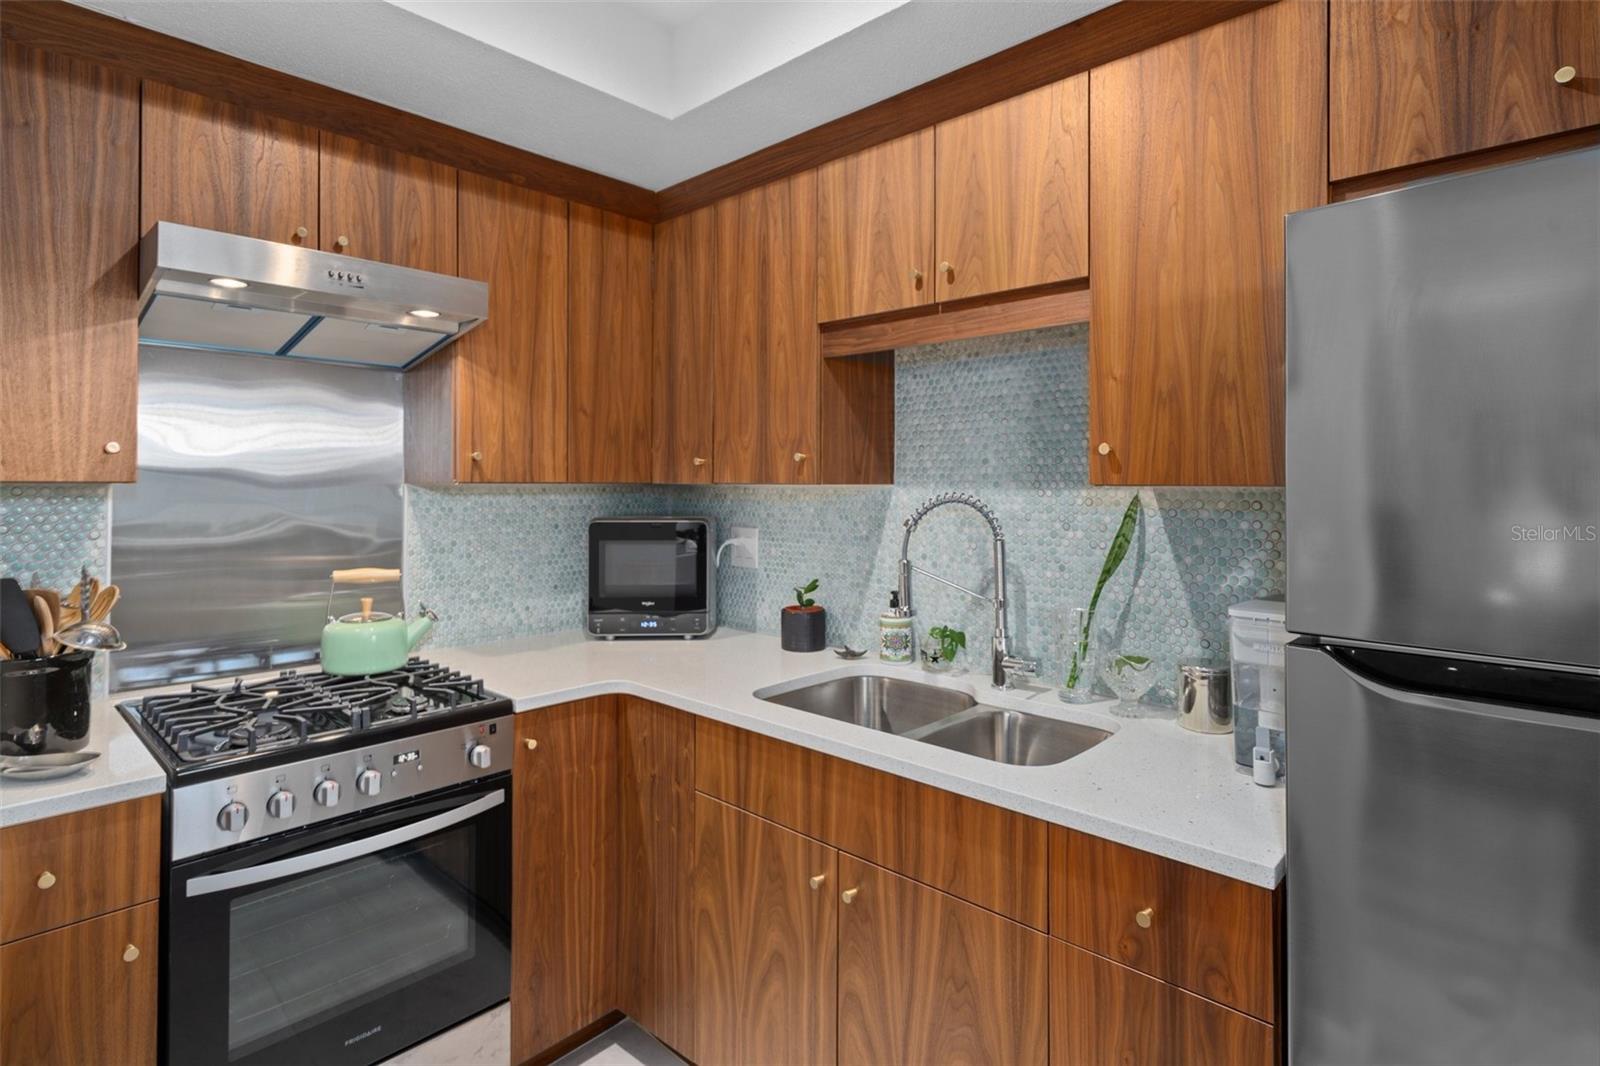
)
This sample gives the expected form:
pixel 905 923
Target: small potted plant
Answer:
pixel 804 624
pixel 947 644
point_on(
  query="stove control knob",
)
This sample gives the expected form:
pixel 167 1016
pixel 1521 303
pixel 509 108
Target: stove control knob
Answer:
pixel 232 817
pixel 281 804
pixel 480 756
pixel 369 782
pixel 326 793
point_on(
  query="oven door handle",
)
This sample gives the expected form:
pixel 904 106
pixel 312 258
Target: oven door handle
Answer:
pixel 316 860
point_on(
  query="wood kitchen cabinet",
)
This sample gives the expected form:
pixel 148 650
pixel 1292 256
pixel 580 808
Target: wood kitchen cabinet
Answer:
pixel 1412 81
pixel 565 889
pixel 609 347
pixel 765 914
pixel 69 210
pixel 212 164
pixel 1012 193
pixel 927 978
pixel 1201 146
pixel 684 415
pixel 84 993
pixel 875 211
pixel 380 204
pixel 492 407
pixel 767 347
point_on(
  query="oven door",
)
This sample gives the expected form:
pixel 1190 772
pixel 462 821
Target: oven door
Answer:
pixel 345 942
pixel 650 566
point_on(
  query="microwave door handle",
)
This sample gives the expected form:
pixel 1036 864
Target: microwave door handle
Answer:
pixel 316 860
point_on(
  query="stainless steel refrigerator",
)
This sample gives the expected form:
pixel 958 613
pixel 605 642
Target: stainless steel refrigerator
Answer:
pixel 1443 509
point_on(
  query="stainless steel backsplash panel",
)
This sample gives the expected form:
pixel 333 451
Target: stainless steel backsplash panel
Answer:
pixel 257 476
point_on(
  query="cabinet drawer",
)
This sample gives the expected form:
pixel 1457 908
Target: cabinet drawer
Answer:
pixel 1199 930
pixel 75 866
pixel 83 994
pixel 981 853
pixel 1103 1012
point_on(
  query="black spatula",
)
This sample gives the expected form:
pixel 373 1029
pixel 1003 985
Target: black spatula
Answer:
pixel 19 628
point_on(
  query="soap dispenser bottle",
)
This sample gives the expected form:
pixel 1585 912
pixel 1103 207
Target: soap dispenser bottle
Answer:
pixel 894 632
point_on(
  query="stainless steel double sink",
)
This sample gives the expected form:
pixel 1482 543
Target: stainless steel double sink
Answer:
pixel 948 718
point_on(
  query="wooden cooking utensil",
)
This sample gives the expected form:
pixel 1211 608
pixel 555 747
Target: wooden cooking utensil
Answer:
pixel 52 599
pixel 47 624
pixel 104 600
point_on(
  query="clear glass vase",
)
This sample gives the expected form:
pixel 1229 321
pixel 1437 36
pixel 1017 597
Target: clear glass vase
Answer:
pixel 1126 673
pixel 1079 685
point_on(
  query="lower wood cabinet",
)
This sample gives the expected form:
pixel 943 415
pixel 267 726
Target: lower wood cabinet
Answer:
pixel 765 914
pixel 927 978
pixel 1101 1012
pixel 84 993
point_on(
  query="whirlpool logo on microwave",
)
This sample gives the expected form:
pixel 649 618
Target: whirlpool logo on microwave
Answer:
pixel 374 1031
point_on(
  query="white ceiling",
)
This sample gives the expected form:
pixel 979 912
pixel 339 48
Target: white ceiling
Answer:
pixel 649 91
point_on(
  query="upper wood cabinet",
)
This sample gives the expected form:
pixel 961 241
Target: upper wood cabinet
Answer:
pixel 875 229
pixel 1418 80
pixel 767 345
pixel 1012 193
pixel 69 212
pixel 765 920
pixel 925 977
pixel 492 408
pixel 388 206
pixel 207 163
pixel 609 348
pixel 565 892
pixel 1201 146
pixel 684 416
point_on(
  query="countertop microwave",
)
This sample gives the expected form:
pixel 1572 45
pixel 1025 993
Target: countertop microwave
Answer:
pixel 652 576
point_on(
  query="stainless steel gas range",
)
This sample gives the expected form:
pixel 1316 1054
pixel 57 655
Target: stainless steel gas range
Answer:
pixel 338 862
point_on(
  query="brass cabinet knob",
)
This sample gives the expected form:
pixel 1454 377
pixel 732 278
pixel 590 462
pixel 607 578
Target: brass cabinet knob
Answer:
pixel 1104 449
pixel 1143 918
pixel 1565 74
pixel 530 743
pixel 699 460
pixel 816 882
pixel 342 241
pixel 947 269
pixel 112 447
pixel 130 953
pixel 477 457
pixel 46 880
pixel 916 277
pixel 301 232
pixel 849 894
pixel 799 457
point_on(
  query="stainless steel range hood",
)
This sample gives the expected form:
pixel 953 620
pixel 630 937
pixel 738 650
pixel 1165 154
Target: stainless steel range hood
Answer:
pixel 222 292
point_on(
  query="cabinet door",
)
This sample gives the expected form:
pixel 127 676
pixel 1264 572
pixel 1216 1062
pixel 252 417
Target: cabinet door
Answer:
pixel 511 384
pixel 1201 146
pixel 685 301
pixel 765 907
pixel 69 210
pixel 1418 80
pixel 387 206
pixel 925 977
pixel 564 892
pixel 608 426
pixel 84 993
pixel 74 866
pixel 875 229
pixel 1103 1012
pixel 218 166
pixel 767 344
pixel 1013 193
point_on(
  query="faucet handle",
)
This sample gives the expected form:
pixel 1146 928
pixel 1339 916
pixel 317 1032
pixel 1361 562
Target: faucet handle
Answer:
pixel 1016 667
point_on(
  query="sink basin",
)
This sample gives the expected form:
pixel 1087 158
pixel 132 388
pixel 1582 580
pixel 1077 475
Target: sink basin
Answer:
pixel 1014 737
pixel 889 704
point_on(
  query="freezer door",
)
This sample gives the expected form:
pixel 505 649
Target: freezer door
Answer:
pixel 1443 418
pixel 1444 868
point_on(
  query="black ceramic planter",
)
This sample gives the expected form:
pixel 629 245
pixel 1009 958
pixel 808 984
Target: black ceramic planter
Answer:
pixel 805 629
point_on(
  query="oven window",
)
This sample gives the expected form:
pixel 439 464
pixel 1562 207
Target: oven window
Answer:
pixel 649 569
pixel 318 945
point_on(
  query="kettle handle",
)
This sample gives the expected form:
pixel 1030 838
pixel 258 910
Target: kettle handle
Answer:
pixel 361 575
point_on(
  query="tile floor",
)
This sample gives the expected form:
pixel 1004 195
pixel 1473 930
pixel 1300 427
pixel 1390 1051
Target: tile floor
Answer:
pixel 486 1041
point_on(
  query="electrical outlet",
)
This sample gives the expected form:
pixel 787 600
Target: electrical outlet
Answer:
pixel 746 548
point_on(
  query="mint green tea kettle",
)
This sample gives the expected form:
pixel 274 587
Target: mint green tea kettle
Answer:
pixel 368 641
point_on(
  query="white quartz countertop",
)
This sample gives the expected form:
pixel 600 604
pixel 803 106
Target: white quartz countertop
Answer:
pixel 1151 784
pixel 125 770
